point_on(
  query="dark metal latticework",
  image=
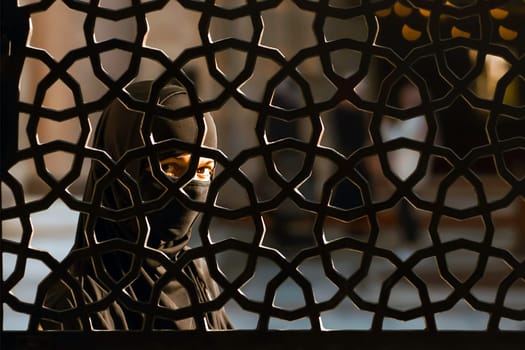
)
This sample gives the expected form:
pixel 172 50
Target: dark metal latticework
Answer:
pixel 471 139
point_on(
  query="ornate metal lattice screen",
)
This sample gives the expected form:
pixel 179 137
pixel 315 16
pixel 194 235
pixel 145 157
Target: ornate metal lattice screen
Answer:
pixel 369 175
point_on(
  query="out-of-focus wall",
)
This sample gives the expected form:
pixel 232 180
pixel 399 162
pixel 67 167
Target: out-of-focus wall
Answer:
pixel 173 30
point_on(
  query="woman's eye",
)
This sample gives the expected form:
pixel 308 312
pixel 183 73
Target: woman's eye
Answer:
pixel 205 172
pixel 175 167
pixel 171 169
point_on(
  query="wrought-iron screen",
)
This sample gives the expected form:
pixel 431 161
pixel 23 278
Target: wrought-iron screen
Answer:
pixel 370 170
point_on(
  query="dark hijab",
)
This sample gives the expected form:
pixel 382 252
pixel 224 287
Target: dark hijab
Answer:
pixel 138 280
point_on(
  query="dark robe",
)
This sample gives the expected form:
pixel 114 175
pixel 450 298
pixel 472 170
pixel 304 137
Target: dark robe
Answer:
pixel 137 279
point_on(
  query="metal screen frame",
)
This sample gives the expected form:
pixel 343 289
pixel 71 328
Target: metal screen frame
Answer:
pixel 401 38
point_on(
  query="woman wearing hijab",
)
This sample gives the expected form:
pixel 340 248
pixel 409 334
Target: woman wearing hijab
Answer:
pixel 140 278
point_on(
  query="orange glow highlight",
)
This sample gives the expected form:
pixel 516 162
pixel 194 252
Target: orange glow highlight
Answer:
pixel 410 34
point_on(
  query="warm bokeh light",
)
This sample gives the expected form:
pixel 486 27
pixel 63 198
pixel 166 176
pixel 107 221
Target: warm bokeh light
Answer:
pixel 402 10
pixel 499 13
pixel 507 34
pixel 383 13
pixel 458 33
pixel 410 34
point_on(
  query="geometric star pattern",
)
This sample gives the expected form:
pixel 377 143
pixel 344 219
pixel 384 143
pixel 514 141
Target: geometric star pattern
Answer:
pixel 439 51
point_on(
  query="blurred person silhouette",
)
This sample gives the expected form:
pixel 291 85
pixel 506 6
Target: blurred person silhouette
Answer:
pixel 90 301
pixel 403 162
pixel 350 128
pixel 349 125
pixel 284 221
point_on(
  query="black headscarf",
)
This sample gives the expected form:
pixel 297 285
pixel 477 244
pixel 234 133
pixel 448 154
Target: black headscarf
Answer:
pixel 119 132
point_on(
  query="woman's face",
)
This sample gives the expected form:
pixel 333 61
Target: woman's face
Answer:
pixel 175 167
pixel 170 226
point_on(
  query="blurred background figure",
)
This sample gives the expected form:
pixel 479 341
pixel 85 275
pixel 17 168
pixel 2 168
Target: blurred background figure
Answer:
pixel 349 135
pixel 404 161
pixel 288 162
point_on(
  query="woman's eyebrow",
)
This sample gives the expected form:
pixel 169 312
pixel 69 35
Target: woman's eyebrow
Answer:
pixel 207 162
pixel 174 160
